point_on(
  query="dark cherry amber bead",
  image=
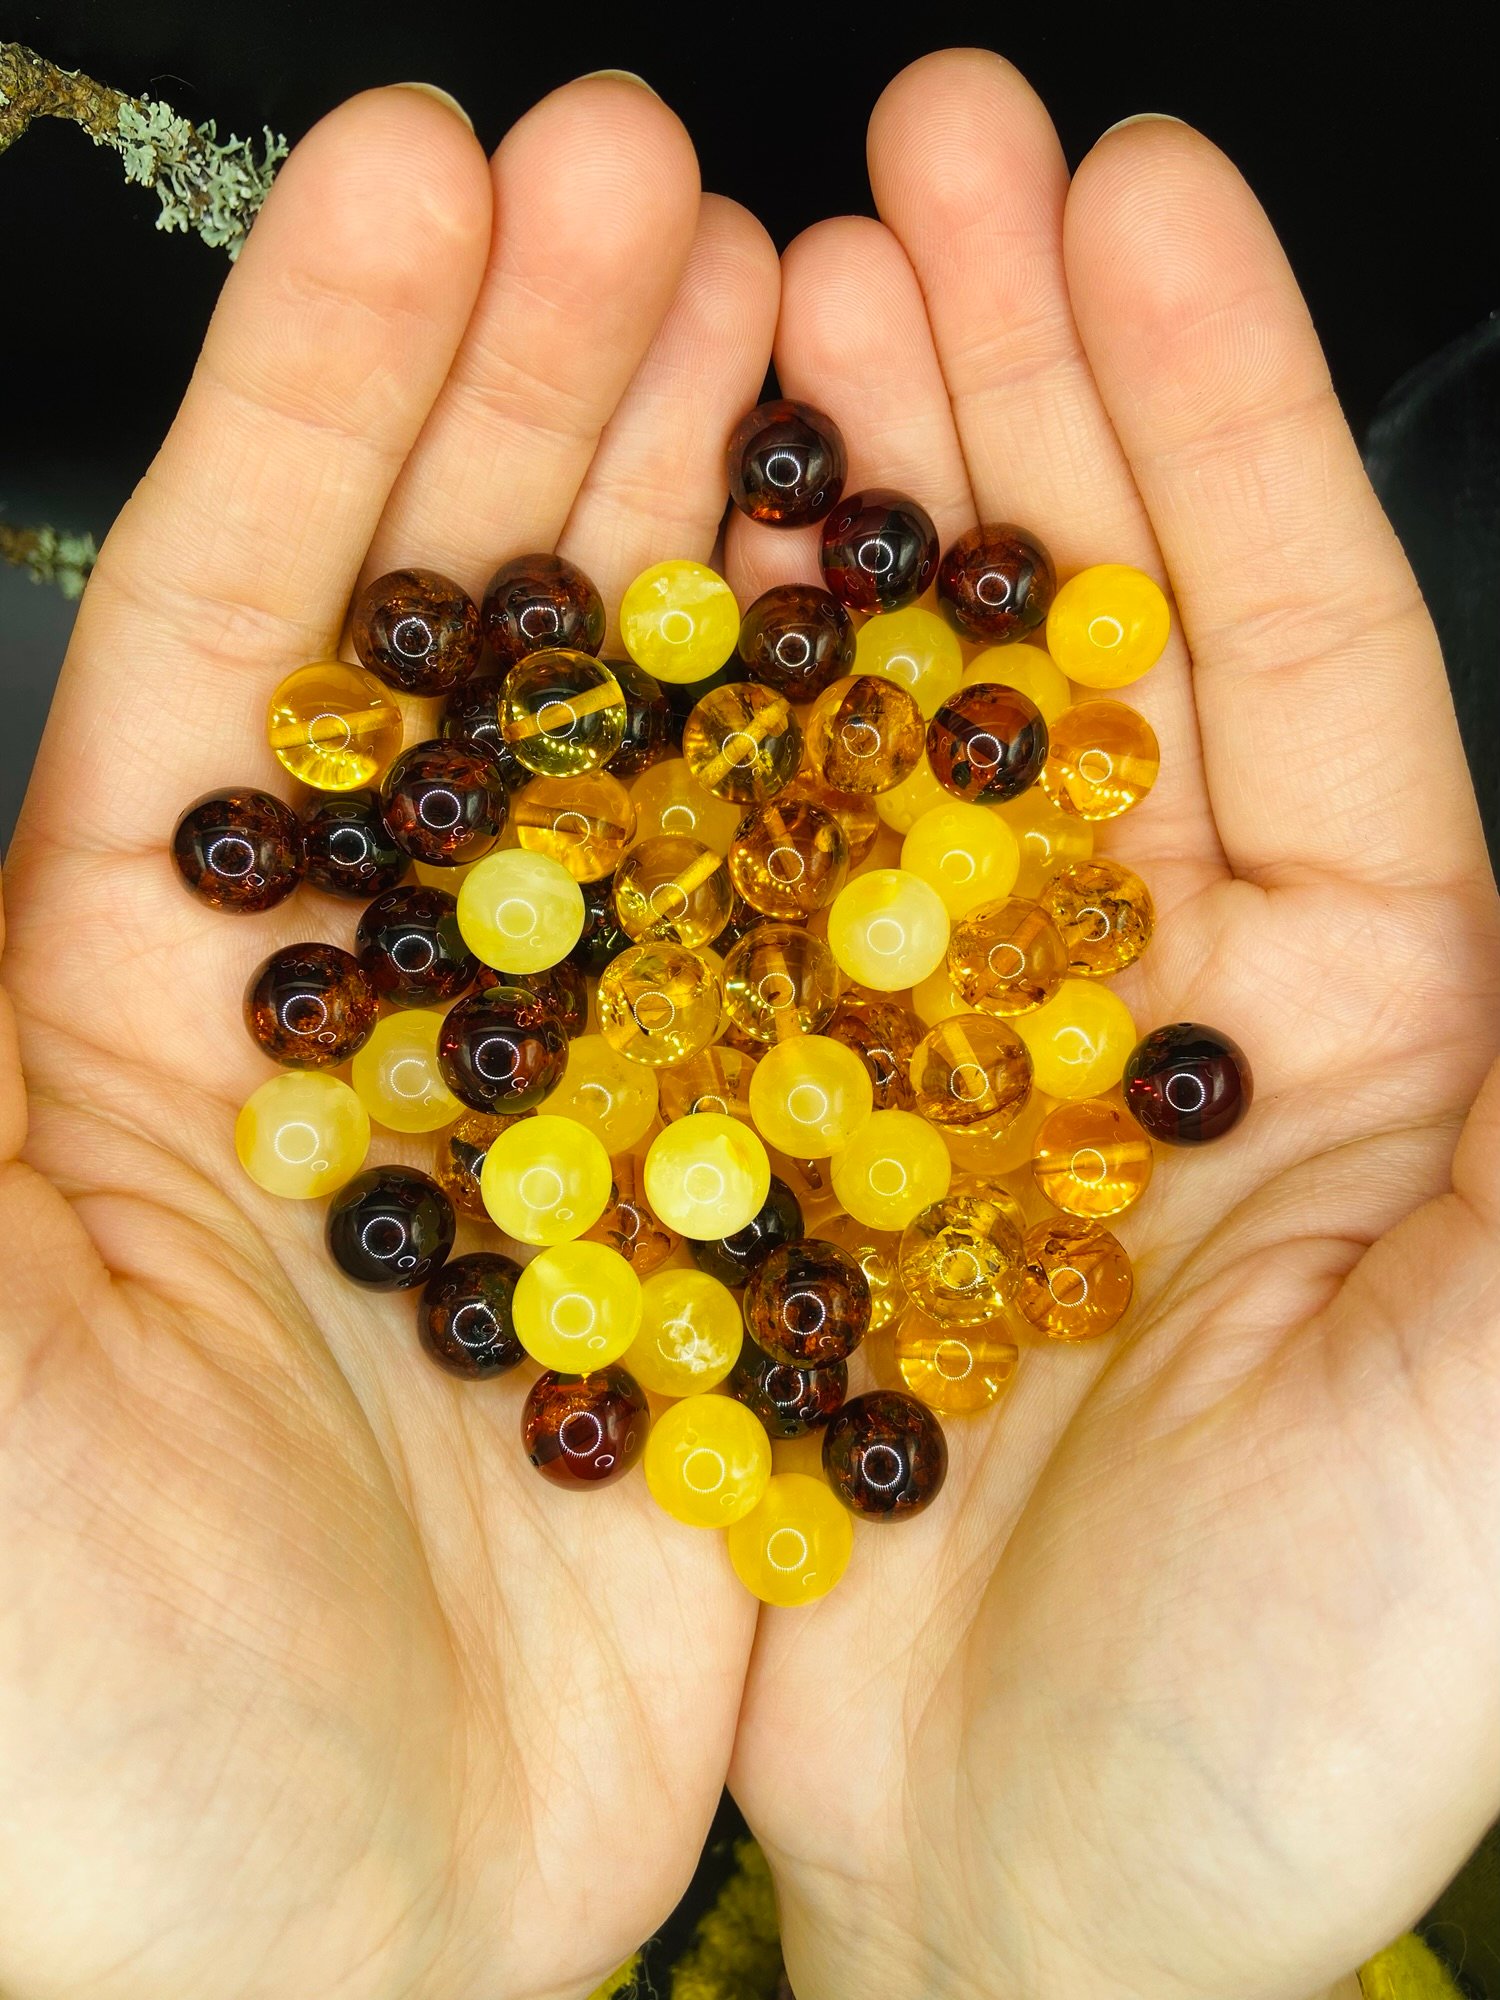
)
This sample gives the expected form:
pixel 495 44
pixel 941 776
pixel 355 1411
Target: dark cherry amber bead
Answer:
pixel 808 1303
pixel 996 583
pixel 465 1321
pixel 789 1401
pixel 585 1430
pixel 1187 1084
pixel 601 938
pixel 239 850
pixel 787 464
pixel 417 631
pixel 797 640
pixel 310 1006
pixel 502 1050
pixel 733 1260
pixel 445 803
pixel 411 948
pixel 885 1455
pixel 884 1035
pixel 880 550
pixel 390 1228
pixel 648 721
pixel 987 742
pixel 349 847
pixel 471 714
pixel 536 603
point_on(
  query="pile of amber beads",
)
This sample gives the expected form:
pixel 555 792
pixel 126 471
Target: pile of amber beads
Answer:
pixel 730 986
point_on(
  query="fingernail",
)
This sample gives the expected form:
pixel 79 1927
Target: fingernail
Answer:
pixel 1142 118
pixel 443 97
pixel 619 76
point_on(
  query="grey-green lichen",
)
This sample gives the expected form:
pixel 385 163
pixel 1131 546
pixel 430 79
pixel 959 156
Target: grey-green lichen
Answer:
pixel 48 557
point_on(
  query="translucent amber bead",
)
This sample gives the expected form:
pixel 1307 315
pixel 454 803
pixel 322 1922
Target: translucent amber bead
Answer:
pixel 1079 1040
pixel 854 811
pixel 1102 761
pixel 1104 912
pixel 904 804
pixel 411 948
pixel 987 742
pixel 1005 958
pixel 707 1175
pixel 333 726
pixel 399 1076
pixel 966 852
pixel 795 640
pixel 417 631
pixel 309 1006
pixel 459 1159
pixel 1048 839
pixel 794 1547
pixel 302 1134
pixel 562 713
pixel 996 582
pixel 1076 1280
pixel 679 621
pixel 878 1254
pixel 520 912
pixel 885 1456
pixel 786 462
pixel 690 1334
pixel 627 1224
pixel 577 1307
pixel 914 648
pixel 546 1180
pixel 954 1370
pixel 888 929
pixel 586 823
pixel 667 799
pixel 780 981
pixel 879 551
pixel 539 603
pixel 241 850
pixel 1028 669
pixel 1091 1158
pixel 808 1303
pixel 884 1035
pixel 895 1164
pixel 1108 625
pixel 1188 1083
pixel 673 890
pixel 865 734
pixel 961 1258
pixel 605 1092
pixel 971 1072
pixel 659 1004
pixel 717 1080
pixel 585 1431
pixel 708 1461
pixel 741 742
pixel 809 1095
pixel 789 858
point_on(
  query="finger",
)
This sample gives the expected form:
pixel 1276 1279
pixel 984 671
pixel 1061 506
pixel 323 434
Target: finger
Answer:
pixel 1328 731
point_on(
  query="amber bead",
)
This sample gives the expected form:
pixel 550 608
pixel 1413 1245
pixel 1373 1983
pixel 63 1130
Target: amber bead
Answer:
pixel 411 949
pixel 502 1050
pixel 562 713
pixel 563 987
pixel 310 1006
pixel 460 1157
pixel 465 1320
pixel 601 938
pixel 1091 1158
pixel 649 728
pixel 1004 958
pixel 348 846
pixel 878 1254
pixel 1187 1084
pixel 865 734
pixel 673 890
pixel 1075 1281
pixel 885 1455
pixel 534 604
pixel 1104 912
pixel 659 1004
pixel 789 859
pixel 996 583
pixel 1048 839
pixel 669 800
pixel 717 1079
pixel 780 981
pixel 961 1257
pixel 954 1369
pixel 444 803
pixel 987 743
pixel 742 743
pixel 787 464
pixel 808 1303
pixel 734 1260
pixel 884 1035
pixel 390 1228
pixel 471 714
pixel 416 630
pixel 586 822
pixel 971 1072
pixel 790 1401
pixel 585 1430
pixel 1102 760
pixel 628 1224
pixel 239 850
pixel 880 550
pixel 856 812
pixel 797 640
pixel 333 726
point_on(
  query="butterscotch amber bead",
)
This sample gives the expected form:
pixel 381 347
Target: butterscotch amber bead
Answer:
pixel 780 981
pixel 971 1072
pixel 787 463
pixel 797 640
pixel 348 846
pixel 628 1225
pixel 333 726
pixel 808 1303
pixel 961 1257
pixel 585 1431
pixel 562 713
pixel 1108 625
pixel 789 1401
pixel 954 1370
pixel 416 630
pixel 239 850
pixel 465 1320
pixel 865 734
pixel 444 803
pixel 538 603
pixel 742 743
pixel 1091 1158
pixel 411 949
pixel 1188 1083
pixel 884 1035
pixel 878 1254
pixel 885 1456
pixel 310 1006
pixel 716 1080
pixel 1075 1281
pixel 1048 838
pixel 649 731
pixel 1105 914
pixel 460 1155
pixel 996 583
pixel 880 550
pixel 987 743
pixel 673 890
pixel 659 1004
pixel 789 859
pixel 587 823
pixel 1103 759
pixel 1004 958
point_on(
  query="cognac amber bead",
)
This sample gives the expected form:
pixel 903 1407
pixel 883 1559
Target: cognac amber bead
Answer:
pixel 584 1431
pixel 808 1303
pixel 878 1254
pixel 1005 958
pixel 780 981
pixel 444 803
pixel 1104 912
pixel 1187 1084
pixel 310 1006
pixel 1076 1280
pixel 865 734
pixel 649 733
pixel 961 1257
pixel 390 1228
pixel 996 583
pixel 349 847
pixel 333 727
pixel 1103 759
pixel 673 890
pixel 789 1401
pixel 411 949
pixel 1091 1158
pixel 1048 839
pixel 471 714
pixel 629 1228
pixel 971 1072
pixel 733 1260
pixel 987 743
pixel 787 464
pixel 954 1370
pixel 716 1080
pixel 239 850
pixel 538 604
pixel 789 858
pixel 885 1456
pixel 659 1004
pixel 742 743
pixel 562 986
pixel 797 640
pixel 586 823
pixel 416 630
pixel 880 550
pixel 502 1050
pixel 460 1156
pixel 562 713
pixel 884 1035
pixel 466 1320
pixel 915 649
pixel 855 811
pixel 668 800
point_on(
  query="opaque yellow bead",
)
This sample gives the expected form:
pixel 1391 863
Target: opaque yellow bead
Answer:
pixel 708 1461
pixel 674 890
pixel 659 1004
pixel 954 1370
pixel 302 1134
pixel 1027 668
pixel 888 929
pixel 1048 838
pixel 1108 625
pixel 333 726
pixel 610 1096
pixel 1076 1280
pixel 895 1164
pixel 577 1307
pixel 545 1180
pixel 809 1096
pixel 690 1334
pixel 520 912
pixel 668 799
pixel 1079 1040
pixel 1091 1158
pixel 877 1253
pixel 707 1176
pixel 796 1544
pixel 904 804
pixel 966 852
pixel 915 648
pixel 1102 760
pixel 679 621
pixel 397 1076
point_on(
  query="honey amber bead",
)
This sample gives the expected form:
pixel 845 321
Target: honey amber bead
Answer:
pixel 679 621
pixel 1048 839
pixel 796 640
pixel 707 1176
pixel 915 649
pixel 787 464
pixel 809 1095
pixel 888 929
pixel 459 1159
pixel 1108 625
pixel 1079 1040
pixel 895 1164
pixel 708 1461
pixel 885 1456
pixel 649 731
pixel 966 852
pixel 996 583
pixel 1104 912
pixel 990 1156
pixel 239 850
pixel 398 1076
pixel 987 742
pixel 1187 1084
pixel 884 1035
pixel 601 938
pixel 333 727
pixel 309 1006
pixel 733 1260
pixel 586 823
pixel 416 630
pixel 780 981
pixel 1076 1280
pixel 540 604
pixel 616 1099
pixel 585 1431
pixel 577 1306
pixel 903 805
pixel 795 1546
pixel 855 811
pixel 1091 1158
pixel 466 1320
pixel 520 912
pixel 808 1303
pixel 668 800
pixel 546 1180
pixel 1005 958
pixel 789 858
pixel 1102 761
pixel 659 1004
pixel 878 1254
pixel 954 1370
pixel 444 803
pixel 880 550
pixel 411 949
pixel 961 1258
pixel 673 890
pixel 562 713
pixel 348 846
pixel 302 1135
pixel 789 1402
pixel 627 1224
pixel 971 1072
pixel 1028 669
pixel 471 714
pixel 864 734
pixel 502 1050
pixel 742 743
pixel 390 1228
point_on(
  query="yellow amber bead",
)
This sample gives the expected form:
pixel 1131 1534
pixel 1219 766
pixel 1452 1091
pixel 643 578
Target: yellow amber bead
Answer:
pixel 459 1159
pixel 667 799
pixel 1005 958
pixel 333 726
pixel 708 1461
pixel 520 912
pixel 877 1253
pixel 809 1096
pixel 673 890
pixel 1079 1040
pixel 707 1176
pixel 1102 760
pixel 562 713
pixel 546 1180
pixel 1027 668
pixel 1048 838
pixel 1104 912
pixel 716 1080
pixel 613 1098
pixel 690 1335
pixel 780 981
pixel 302 1134
pixel 916 649
pixel 628 1225
pixel 397 1075
pixel 1108 625
pixel 789 858
pixel 679 621
pixel 742 743
pixel 888 929
pixel 954 1370
pixel 895 1164
pixel 935 998
pixel 659 1004
pixel 971 1072
pixel 1076 1279
pixel 966 852
pixel 904 804
pixel 961 1257
pixel 577 1307
pixel 793 1547
pixel 865 734
pixel 586 822
pixel 1091 1158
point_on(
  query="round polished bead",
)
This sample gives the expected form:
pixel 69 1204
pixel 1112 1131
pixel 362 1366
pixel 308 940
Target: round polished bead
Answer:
pixel 673 890
pixel 585 1431
pixel 996 583
pixel 309 1006
pixel 855 811
pixel 989 1157
pixel 717 1080
pixel 302 1135
pixel 895 1164
pixel 987 742
pixel 577 1306
pixel 884 1035
pixel 780 981
pixel 809 1096
pixel 788 1401
pixel 808 1303
pixel 742 743
pixel 628 1224
pixel 966 852
pixel 865 734
pixel 520 912
pixel 880 550
pixel 1076 1281
pixel 1103 760
pixel 1108 625
pixel 797 640
pixel 390 1228
pixel 708 1461
pixel 954 1370
pixel 348 846
pixel 1091 1158
pixel 1048 839
pixel 563 987
pixel 546 1180
pixel 649 731
pixel 971 1072
pixel 1027 669
pixel 458 1162
pixel 1006 957
pixel 471 714
pixel 1105 913
pixel 733 1260
pixel 239 850
pixel 795 1546
pixel 538 604
pixel 333 726
pixel 888 929
pixel 444 803
pixel 789 858
pixel 878 1254
pixel 885 1456
pixel 679 621
pixel 667 800
pixel 707 1176
pixel 961 1257
pixel 915 649
pixel 562 713
pixel 613 1097
pixel 659 1004
pixel 416 630
pixel 411 948
pixel 601 938
pixel 502 1050
pixel 690 1334
pixel 398 1075
pixel 787 464
pixel 466 1320
pixel 1079 1040
pixel 1187 1084
pixel 586 823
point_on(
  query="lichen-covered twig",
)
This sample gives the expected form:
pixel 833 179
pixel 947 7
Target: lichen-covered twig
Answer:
pixel 48 557
pixel 204 183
